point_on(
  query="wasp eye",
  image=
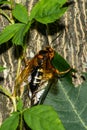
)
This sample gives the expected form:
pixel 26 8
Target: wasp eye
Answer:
pixel 49 49
pixel 40 56
pixel 43 52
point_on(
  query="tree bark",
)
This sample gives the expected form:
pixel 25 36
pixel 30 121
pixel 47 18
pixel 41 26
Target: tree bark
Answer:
pixel 72 45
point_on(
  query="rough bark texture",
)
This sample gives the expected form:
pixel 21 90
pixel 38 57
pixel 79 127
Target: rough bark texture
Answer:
pixel 72 45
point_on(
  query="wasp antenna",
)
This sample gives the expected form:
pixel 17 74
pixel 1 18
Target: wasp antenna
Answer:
pixel 56 37
pixel 47 36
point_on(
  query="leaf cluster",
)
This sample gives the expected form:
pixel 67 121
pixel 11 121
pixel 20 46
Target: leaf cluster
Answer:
pixel 36 118
pixel 45 11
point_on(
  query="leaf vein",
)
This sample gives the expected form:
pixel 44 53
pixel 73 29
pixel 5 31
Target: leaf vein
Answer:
pixel 72 105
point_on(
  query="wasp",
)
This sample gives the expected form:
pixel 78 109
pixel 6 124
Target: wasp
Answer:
pixel 38 70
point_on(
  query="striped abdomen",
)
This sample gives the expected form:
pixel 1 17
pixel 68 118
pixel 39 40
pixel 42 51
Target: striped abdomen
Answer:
pixel 36 77
pixel 34 84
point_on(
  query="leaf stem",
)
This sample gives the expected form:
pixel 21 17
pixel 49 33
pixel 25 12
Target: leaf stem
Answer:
pixel 8 94
pixel 12 4
pixel 14 102
pixel 21 125
pixel 18 68
pixel 5 91
pixel 7 17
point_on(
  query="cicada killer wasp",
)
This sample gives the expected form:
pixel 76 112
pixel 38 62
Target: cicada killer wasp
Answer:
pixel 37 71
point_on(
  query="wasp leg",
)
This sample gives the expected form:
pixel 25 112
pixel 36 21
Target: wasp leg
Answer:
pixel 63 72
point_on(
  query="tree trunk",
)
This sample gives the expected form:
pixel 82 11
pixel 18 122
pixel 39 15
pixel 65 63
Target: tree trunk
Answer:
pixel 72 45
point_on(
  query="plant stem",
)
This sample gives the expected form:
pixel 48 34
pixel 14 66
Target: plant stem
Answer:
pixel 12 3
pixel 7 17
pixel 18 68
pixel 21 125
pixel 5 91
pixel 14 102
pixel 8 94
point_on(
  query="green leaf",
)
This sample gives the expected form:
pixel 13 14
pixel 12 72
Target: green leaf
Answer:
pixel 9 32
pixel 2 68
pixel 59 62
pixel 70 103
pixel 18 38
pixel 4 2
pixel 11 123
pixel 47 11
pixel 42 117
pixel 20 13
